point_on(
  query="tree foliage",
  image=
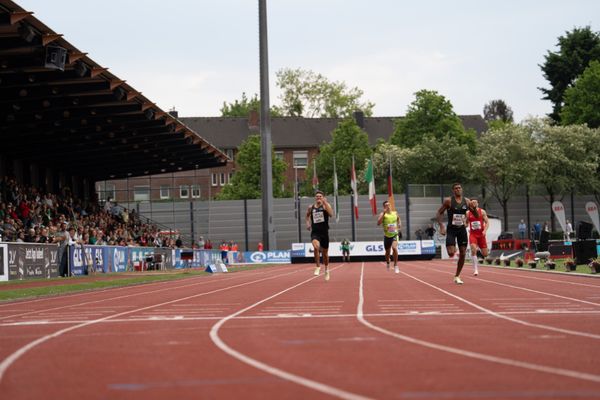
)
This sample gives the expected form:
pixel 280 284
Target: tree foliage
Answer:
pixel 308 94
pixel 246 181
pixel 430 116
pixel 582 100
pixel 504 161
pixel 242 107
pixel 497 110
pixel 347 140
pixel 576 49
pixel 565 159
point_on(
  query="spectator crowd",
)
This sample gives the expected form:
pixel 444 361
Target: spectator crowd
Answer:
pixel 30 215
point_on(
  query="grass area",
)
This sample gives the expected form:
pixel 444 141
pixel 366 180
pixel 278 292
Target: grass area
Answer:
pixel 87 283
pixel 560 267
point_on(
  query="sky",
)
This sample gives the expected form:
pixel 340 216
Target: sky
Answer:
pixel 194 55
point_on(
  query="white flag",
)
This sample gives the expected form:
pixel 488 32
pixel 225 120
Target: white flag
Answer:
pixel 559 211
pixel 592 210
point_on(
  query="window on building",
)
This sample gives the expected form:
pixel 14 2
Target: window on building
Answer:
pixel 106 191
pixel 141 193
pixel 300 159
pixel 196 191
pixel 165 192
pixel 214 180
pixel 279 154
pixel 184 191
pixel 223 179
pixel 229 176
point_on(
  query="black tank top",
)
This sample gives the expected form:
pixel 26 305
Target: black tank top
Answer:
pixel 319 219
pixel 456 213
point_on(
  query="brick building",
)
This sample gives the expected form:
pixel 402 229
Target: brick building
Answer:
pixel 296 140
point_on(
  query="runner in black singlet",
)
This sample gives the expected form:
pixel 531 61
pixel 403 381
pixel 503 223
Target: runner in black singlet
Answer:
pixel 456 207
pixel 317 222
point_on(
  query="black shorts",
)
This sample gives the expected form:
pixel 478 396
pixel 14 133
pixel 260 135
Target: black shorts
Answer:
pixel 389 241
pixel 322 237
pixel 454 235
pixel 345 251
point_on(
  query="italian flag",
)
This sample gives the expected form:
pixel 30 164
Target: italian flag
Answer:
pixel 370 179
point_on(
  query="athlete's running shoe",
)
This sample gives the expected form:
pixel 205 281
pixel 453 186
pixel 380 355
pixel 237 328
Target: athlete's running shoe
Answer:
pixel 475 273
pixel 396 269
pixel 458 281
pixel 326 275
pixel 317 271
pixel 387 266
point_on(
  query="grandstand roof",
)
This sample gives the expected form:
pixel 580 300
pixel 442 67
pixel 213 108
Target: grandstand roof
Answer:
pixel 77 115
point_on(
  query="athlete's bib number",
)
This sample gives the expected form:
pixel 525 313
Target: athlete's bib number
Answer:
pixel 457 220
pixel 318 217
pixel 476 226
pixel 392 228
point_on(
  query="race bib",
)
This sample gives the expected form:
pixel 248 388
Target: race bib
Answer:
pixel 457 220
pixel 476 225
pixel 318 217
pixel 392 228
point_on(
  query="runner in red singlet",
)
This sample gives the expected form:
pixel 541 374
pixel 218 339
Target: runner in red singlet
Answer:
pixel 478 225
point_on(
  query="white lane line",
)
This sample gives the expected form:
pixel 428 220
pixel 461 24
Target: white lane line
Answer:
pixel 467 353
pixel 288 376
pixel 497 315
pixel 491 271
pixel 528 290
pixel 8 361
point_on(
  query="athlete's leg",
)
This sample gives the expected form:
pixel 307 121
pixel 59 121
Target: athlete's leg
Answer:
pixel 474 259
pixel 462 252
pixel 451 250
pixel 316 249
pixel 395 250
pixel 325 258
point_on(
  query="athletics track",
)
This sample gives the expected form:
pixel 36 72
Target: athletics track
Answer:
pixel 282 333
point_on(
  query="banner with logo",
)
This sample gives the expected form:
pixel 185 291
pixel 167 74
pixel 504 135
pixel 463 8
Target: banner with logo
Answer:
pixel 82 259
pixel 29 260
pixel 405 247
pixel 3 262
pixel 592 210
pixel 559 211
pixel 261 257
pixel 118 258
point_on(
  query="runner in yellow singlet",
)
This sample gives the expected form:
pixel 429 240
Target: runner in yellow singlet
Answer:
pixel 391 226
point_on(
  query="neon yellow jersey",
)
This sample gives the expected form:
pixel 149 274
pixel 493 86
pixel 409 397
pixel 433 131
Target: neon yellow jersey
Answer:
pixel 390 224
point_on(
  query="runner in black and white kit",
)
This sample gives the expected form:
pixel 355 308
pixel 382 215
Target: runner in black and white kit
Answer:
pixel 457 207
pixel 317 222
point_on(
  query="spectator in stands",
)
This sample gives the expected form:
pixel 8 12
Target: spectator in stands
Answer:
pixel 208 245
pixel 419 234
pixel 62 238
pixel 430 231
pixel 537 230
pixel 224 247
pixel 178 242
pixel 260 246
pixel 201 242
pixel 546 227
pixel 522 228
pixel 568 230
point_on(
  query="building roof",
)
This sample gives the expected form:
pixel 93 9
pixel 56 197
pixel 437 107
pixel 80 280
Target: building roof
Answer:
pixel 299 132
pixel 61 109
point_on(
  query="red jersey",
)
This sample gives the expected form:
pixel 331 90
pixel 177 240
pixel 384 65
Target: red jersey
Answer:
pixel 475 223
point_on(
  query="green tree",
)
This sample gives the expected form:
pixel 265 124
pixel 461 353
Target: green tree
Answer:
pixel 442 160
pixel 564 160
pixel 347 140
pixel 576 49
pixel 242 107
pixel 305 93
pixel 503 162
pixel 386 154
pixel 582 100
pixel 497 110
pixel 246 183
pixel 430 116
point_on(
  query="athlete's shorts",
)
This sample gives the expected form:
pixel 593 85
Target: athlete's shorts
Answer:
pixel 479 240
pixel 389 241
pixel 454 235
pixel 345 252
pixel 323 239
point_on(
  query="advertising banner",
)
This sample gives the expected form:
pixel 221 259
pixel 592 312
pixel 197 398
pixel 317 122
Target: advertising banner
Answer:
pixel 405 247
pixel 559 211
pixel 29 260
pixel 262 257
pixel 592 210
pixel 118 258
pixel 3 262
pixel 82 259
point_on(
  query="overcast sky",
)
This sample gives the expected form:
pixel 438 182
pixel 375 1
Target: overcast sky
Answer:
pixel 195 54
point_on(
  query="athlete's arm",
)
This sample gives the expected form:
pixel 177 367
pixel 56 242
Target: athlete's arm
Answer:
pixel 486 222
pixel 445 205
pixel 307 218
pixel 380 218
pixel 398 222
pixel 328 207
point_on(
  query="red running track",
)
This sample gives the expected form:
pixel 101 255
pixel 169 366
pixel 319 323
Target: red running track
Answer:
pixel 283 333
